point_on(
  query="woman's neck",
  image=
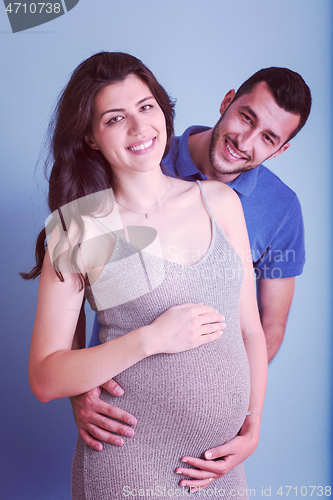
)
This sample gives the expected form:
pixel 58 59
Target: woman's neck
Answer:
pixel 141 190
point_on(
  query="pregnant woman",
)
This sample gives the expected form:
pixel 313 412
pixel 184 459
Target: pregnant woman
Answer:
pixel 160 260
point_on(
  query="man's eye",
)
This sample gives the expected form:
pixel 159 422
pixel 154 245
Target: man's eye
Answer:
pixel 268 139
pixel 246 118
pixel 114 119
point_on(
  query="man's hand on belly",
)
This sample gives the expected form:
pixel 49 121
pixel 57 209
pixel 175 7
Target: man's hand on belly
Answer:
pixel 93 417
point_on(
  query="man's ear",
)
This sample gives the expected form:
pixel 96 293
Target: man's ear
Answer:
pixel 279 151
pixel 228 98
pixel 89 140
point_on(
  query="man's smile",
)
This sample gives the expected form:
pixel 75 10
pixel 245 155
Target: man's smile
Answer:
pixel 232 151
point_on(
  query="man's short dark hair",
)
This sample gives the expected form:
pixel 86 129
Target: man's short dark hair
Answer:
pixel 289 90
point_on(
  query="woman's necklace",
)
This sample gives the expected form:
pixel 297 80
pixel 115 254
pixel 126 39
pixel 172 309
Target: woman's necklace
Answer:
pixel 147 215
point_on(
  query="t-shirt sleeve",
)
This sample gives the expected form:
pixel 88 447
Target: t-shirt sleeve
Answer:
pixel 285 256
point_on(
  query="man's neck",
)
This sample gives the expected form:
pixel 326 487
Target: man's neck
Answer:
pixel 199 145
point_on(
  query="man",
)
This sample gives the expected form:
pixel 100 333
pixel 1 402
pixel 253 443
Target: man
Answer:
pixel 256 124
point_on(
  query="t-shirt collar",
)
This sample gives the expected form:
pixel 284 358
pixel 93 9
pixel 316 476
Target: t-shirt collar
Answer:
pixel 246 182
pixel 185 165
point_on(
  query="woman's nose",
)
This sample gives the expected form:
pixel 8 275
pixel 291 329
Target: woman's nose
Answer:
pixel 137 125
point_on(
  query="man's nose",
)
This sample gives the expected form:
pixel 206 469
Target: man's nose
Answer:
pixel 246 140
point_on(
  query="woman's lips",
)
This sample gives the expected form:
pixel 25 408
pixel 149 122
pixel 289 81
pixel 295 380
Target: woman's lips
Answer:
pixel 142 147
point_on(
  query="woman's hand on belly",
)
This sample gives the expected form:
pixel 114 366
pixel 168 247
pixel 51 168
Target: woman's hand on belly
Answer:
pixel 183 327
pixel 222 459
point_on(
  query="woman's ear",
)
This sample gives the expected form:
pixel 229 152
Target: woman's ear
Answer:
pixel 89 140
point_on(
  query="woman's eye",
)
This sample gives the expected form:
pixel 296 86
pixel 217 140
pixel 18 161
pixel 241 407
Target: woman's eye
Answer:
pixel 114 119
pixel 146 107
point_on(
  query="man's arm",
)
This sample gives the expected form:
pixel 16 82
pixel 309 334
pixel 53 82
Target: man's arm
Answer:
pixel 274 301
pixel 91 414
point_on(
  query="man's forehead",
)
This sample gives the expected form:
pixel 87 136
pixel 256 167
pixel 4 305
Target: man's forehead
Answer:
pixel 260 92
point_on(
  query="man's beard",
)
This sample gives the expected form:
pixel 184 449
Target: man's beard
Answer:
pixel 214 157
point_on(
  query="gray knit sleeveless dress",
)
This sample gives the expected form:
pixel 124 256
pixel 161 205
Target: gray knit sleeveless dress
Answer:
pixel 185 403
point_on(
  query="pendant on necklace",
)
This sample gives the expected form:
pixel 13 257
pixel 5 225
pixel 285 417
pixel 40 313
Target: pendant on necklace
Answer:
pixel 147 216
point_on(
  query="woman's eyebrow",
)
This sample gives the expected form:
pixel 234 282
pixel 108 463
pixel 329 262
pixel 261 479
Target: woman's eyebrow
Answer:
pixel 117 110
pixel 145 99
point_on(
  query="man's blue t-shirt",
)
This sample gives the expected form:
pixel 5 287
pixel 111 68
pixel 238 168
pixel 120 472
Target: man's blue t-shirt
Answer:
pixel 272 213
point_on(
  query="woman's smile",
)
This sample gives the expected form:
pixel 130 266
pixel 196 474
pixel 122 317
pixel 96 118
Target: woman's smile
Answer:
pixel 128 126
pixel 142 147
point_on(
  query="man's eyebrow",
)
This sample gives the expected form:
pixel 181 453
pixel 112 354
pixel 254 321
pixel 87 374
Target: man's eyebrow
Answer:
pixel 250 111
pixel 277 138
pixel 121 110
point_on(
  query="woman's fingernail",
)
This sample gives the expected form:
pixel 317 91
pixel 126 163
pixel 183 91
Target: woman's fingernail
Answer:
pixel 129 433
pixel 119 391
pixel 118 442
pixel 131 421
pixel 208 454
pixel 184 460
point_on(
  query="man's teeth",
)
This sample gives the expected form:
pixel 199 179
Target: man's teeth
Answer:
pixel 232 152
pixel 142 146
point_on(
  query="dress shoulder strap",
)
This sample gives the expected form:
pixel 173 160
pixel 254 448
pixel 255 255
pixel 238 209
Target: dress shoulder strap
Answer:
pixel 205 200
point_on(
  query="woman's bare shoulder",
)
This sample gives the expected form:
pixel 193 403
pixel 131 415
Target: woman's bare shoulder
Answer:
pixel 220 195
pixel 181 185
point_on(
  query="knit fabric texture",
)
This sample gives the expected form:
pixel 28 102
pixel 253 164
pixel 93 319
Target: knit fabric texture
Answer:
pixel 185 403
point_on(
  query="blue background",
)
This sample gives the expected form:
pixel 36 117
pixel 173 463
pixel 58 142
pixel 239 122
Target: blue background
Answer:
pixel 198 50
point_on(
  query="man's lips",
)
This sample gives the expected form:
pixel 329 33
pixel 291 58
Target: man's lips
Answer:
pixel 233 153
pixel 139 146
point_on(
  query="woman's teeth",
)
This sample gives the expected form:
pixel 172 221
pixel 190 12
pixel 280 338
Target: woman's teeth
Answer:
pixel 142 146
